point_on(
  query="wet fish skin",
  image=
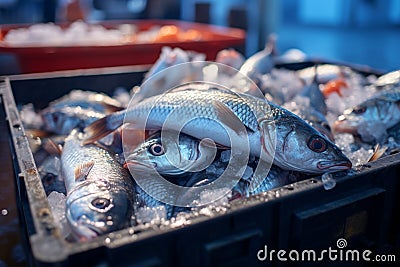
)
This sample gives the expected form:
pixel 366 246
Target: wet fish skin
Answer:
pixel 100 192
pixel 261 62
pixel 50 173
pixel 277 177
pixel 195 104
pixel 389 80
pixel 382 110
pixel 63 120
pixel 169 157
pixel 87 100
pixel 314 94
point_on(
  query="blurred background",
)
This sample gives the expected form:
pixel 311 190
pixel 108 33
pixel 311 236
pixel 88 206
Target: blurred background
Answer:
pixel 358 31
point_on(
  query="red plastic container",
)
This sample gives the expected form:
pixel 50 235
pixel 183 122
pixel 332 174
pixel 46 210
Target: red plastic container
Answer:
pixel 53 58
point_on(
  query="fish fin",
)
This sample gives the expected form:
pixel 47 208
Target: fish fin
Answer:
pixel 206 142
pixel 268 138
pixel 82 171
pixel 109 108
pixel 100 128
pixel 52 148
pixel 378 152
pixel 229 118
pixel 133 137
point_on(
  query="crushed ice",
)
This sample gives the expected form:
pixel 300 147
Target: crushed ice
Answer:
pixel 57 205
pixel 152 215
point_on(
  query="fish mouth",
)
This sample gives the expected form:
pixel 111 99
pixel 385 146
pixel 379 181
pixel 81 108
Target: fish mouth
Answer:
pixel 334 165
pixel 344 126
pixel 82 228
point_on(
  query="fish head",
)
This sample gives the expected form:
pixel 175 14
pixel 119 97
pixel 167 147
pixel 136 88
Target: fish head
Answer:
pixel 167 154
pixel 59 122
pixel 370 112
pixel 301 148
pixel 94 208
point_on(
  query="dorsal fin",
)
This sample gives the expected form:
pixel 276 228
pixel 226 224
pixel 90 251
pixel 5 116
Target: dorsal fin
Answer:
pixel 82 171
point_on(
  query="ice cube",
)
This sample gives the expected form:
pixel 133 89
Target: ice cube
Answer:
pixel 360 156
pixel 217 197
pixel 335 104
pixel 57 204
pixel 328 181
pixel 30 118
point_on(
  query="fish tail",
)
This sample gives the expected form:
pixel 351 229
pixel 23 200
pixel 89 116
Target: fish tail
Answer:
pixel 101 128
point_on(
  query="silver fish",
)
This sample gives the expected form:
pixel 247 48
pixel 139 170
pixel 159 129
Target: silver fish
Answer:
pixel 378 113
pixel 298 146
pixel 277 177
pixel 100 192
pixel 261 62
pixel 87 100
pixel 314 94
pixel 158 81
pixel 171 156
pixel 64 119
pixel 50 173
pixel 391 79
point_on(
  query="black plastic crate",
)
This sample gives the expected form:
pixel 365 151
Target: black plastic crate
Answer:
pixel 361 208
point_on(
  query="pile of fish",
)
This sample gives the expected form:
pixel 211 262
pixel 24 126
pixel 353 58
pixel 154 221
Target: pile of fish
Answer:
pixel 103 156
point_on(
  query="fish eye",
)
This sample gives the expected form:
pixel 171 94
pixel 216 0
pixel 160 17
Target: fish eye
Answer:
pixel 317 144
pixel 55 117
pixel 359 110
pixel 100 203
pixel 156 149
pixel 49 178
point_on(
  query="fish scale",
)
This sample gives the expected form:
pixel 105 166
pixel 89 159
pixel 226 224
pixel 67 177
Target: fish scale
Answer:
pixel 207 111
pixel 94 177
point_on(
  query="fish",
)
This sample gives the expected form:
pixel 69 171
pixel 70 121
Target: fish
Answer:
pixel 310 105
pixel 187 67
pixel 100 192
pixel 276 177
pixel 50 173
pixel 170 155
pixel 64 119
pixel 261 62
pixel 170 57
pixel 87 100
pixel 388 80
pixel 298 146
pixel 76 110
pixel 324 72
pixel 372 118
pixel 316 119
pixel 315 96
